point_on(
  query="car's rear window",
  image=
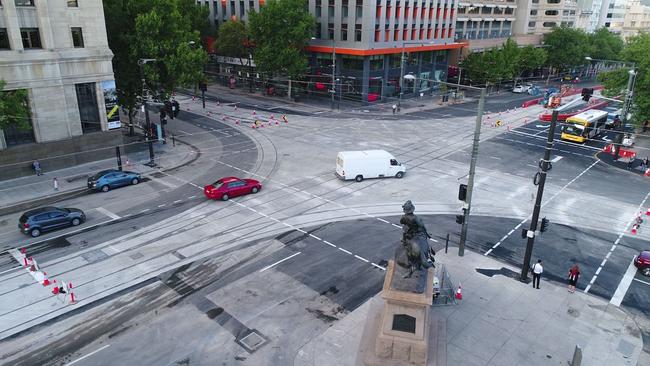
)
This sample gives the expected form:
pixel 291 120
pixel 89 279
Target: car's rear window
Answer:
pixel 100 174
pixel 217 184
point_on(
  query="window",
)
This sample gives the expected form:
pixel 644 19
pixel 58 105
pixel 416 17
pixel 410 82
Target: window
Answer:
pixel 533 12
pixel 330 31
pixel 344 32
pixel 4 39
pixel 376 62
pixel 486 10
pixel 24 2
pixel 532 24
pixel 551 12
pixel 318 31
pixel 509 10
pixel 15 136
pixel 553 1
pixel 549 24
pixel 357 32
pixel 359 11
pixel 77 37
pixel 31 38
pixel 73 4
pixel 88 109
pixel 609 15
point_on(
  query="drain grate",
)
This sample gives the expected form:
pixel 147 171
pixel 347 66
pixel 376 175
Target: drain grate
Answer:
pixel 252 341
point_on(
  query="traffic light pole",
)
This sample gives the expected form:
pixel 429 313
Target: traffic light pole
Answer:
pixel 626 110
pixel 545 164
pixel 472 171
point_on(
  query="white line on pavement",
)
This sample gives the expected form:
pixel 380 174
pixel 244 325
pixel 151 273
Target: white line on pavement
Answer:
pixel 88 355
pixel 397 226
pixel 315 237
pixel 328 243
pixel 624 285
pixel 378 266
pixel 345 251
pixel 191 197
pixel 642 281
pixel 611 250
pixel 177 201
pixel 384 221
pixel 280 261
pixel 362 258
pixel 107 213
pixel 556 159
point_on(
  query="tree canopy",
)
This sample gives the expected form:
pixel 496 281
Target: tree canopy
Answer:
pixel 232 39
pixel 505 63
pixel 156 29
pixel 281 30
pixel 605 45
pixel 566 47
pixel 635 50
pixel 14 108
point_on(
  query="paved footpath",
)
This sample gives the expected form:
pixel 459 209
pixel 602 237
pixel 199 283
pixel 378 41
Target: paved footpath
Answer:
pixel 502 321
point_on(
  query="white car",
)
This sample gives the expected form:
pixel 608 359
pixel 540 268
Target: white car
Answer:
pixel 522 88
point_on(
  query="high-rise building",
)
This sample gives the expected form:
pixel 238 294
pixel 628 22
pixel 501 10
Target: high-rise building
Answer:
pixel 541 16
pixel 637 18
pixel 367 38
pixel 58 52
pixel 612 15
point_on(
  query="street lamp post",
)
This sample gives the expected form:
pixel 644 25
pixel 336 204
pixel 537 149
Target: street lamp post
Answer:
pixel 333 71
pixel 141 63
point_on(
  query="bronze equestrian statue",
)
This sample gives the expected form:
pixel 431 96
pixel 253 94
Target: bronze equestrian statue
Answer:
pixel 416 245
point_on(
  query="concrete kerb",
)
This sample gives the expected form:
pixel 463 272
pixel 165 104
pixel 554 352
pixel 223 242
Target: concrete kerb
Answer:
pixel 53 198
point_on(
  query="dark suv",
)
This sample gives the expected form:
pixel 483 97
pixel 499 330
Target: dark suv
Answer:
pixel 43 219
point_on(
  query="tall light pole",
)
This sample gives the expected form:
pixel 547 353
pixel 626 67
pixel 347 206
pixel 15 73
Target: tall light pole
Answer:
pixel 472 172
pixel 141 63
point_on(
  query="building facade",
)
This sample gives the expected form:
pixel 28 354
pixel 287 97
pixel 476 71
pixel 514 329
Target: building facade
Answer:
pixel 541 16
pixel 636 20
pixel 58 52
pixel 367 38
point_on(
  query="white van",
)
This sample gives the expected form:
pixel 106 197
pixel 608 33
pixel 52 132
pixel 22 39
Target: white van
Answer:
pixel 359 165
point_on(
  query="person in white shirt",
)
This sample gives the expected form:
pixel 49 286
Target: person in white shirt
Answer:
pixel 537 272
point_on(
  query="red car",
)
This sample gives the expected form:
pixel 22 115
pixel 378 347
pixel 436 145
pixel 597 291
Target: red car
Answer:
pixel 226 188
pixel 642 262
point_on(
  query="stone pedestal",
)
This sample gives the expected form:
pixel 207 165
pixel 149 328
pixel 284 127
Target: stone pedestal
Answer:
pixel 401 330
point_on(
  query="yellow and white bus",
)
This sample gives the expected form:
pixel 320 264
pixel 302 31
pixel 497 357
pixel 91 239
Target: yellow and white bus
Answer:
pixel 585 125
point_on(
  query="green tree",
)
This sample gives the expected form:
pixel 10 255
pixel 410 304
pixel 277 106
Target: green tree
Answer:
pixel 566 47
pixel 159 29
pixel 14 108
pixel 635 50
pixel 530 58
pixel 232 39
pixel 280 31
pixel 605 45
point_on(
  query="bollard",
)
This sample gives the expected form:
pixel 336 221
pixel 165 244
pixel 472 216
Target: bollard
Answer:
pixel 577 356
pixel 173 140
pixel 447 243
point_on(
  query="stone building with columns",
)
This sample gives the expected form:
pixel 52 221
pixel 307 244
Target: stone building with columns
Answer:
pixel 57 50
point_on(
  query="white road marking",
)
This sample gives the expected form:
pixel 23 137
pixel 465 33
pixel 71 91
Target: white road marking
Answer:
pixel 397 226
pixel 177 201
pixel 88 355
pixel 191 197
pixel 145 210
pixel 378 266
pixel 362 258
pixel 328 243
pixel 159 180
pixel 624 285
pixel 384 221
pixel 488 252
pixel 611 250
pixel 107 213
pixel 556 159
pixel 278 262
pixel 345 251
pixel 163 205
pixel 642 281
pixel 315 237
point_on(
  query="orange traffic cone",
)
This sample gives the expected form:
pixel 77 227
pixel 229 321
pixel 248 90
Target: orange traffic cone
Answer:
pixel 55 290
pixel 647 173
pixel 634 229
pixel 46 281
pixel 459 293
pixel 647 212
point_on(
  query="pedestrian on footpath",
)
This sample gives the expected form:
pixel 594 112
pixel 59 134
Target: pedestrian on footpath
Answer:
pixel 537 272
pixel 394 108
pixel 37 167
pixel 56 183
pixel 574 274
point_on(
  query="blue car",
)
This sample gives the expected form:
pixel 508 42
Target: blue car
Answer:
pixel 108 179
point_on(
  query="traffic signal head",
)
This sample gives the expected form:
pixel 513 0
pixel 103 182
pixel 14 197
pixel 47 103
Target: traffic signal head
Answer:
pixel 176 108
pixel 587 93
pixel 203 86
pixel 544 225
pixel 462 192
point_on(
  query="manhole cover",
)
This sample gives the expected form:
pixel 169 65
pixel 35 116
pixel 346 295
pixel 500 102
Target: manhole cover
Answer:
pixel 137 255
pixel 252 341
pixel 94 255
